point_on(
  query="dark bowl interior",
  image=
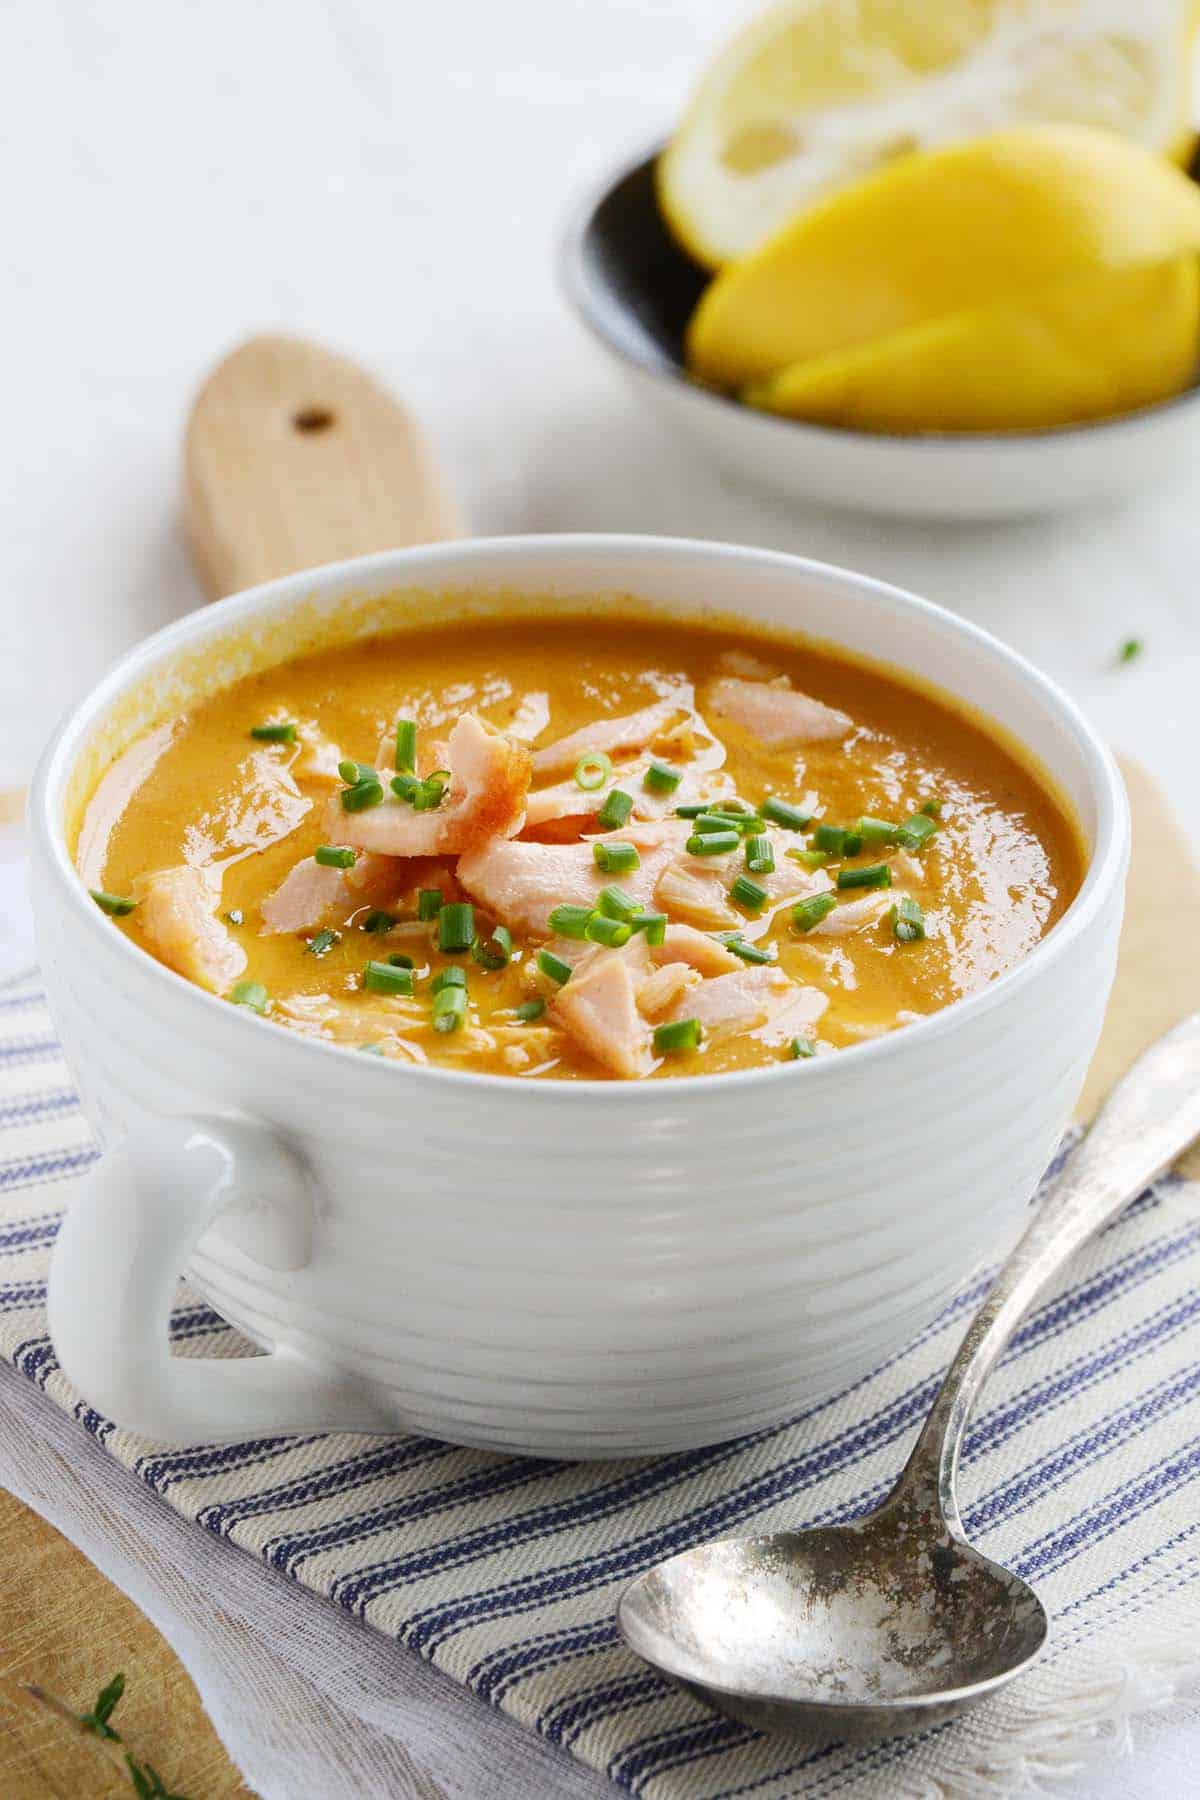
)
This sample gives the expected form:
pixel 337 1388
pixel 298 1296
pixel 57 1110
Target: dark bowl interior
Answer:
pixel 628 276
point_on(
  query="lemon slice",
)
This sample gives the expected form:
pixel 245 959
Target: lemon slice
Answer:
pixel 944 232
pixel 1103 343
pixel 816 93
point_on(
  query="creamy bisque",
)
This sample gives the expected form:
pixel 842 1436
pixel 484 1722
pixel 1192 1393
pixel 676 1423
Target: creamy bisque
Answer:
pixel 671 889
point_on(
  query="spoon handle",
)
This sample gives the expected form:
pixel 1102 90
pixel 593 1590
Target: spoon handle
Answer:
pixel 1149 1119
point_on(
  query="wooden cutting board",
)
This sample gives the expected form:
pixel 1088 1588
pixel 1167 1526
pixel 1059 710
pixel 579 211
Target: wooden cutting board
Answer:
pixel 296 457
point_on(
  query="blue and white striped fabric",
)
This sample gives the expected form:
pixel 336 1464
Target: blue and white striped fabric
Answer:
pixel 1083 1472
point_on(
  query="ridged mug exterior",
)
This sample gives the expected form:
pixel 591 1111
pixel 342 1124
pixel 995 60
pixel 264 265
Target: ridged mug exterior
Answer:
pixel 602 1269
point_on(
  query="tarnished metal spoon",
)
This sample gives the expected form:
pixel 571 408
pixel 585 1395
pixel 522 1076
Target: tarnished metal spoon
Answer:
pixel 894 1622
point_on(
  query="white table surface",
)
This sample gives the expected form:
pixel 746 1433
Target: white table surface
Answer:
pixel 390 178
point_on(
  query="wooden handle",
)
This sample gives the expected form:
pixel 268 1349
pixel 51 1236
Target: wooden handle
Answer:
pixel 295 456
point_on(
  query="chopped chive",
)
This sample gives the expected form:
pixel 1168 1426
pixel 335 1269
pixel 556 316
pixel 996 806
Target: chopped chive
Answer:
pixel 449 1008
pixel 908 921
pixel 252 994
pixel 810 912
pixel 692 811
pixel 453 976
pixel 323 943
pixel 362 795
pixel 750 953
pixel 675 1038
pixel 876 832
pixel 494 952
pixel 405 786
pixel 274 734
pixel 400 959
pixel 932 808
pixel 1130 649
pixel 830 838
pixel 613 932
pixel 117 906
pixel 715 819
pixel 801 1047
pixel 811 859
pixel 456 927
pixel 615 903
pixel 428 796
pixel 383 978
pixel 429 903
pixel 874 875
pixel 571 921
pixel 760 855
pixel 661 778
pixel 792 818
pixel 916 831
pixel 529 1010
pixel 353 772
pixel 236 916
pixel 713 843
pixel 616 809
pixel 378 921
pixel 553 966
pixel 592 771
pixel 749 894
pixel 616 859
pixel 654 924
pixel 406 744
pixel 334 856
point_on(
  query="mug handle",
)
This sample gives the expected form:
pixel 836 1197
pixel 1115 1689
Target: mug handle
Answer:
pixel 120 1250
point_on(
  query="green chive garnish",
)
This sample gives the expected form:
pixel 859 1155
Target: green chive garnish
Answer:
pixel 749 953
pixel 529 1010
pixel 713 843
pixel 323 943
pixel 615 903
pixel 378 921
pixel 718 820
pixel 384 978
pixel 274 734
pixel 1130 649
pixel 571 921
pixel 748 894
pixel 876 832
pixel 916 831
pixel 334 856
pixel 810 912
pixel 449 1008
pixel 406 744
pixel 691 811
pixel 362 795
pixel 252 994
pixel 908 921
pixel 661 778
pixel 780 813
pixel 456 927
pixel 654 924
pixel 616 859
pixel 353 772
pixel 760 855
pixel 837 840
pixel 801 1047
pixel 405 786
pixel 553 966
pixel 592 771
pixel 117 906
pixel 875 875
pixel 676 1038
pixel 494 952
pixel 616 809
pixel 429 903
pixel 932 808
pixel 613 932
pixel 810 859
pixel 428 796
pixel 454 976
pixel 399 959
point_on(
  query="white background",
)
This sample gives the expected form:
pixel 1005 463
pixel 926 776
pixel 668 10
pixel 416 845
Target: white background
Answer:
pixel 390 177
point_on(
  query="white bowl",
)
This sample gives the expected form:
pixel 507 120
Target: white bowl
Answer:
pixel 556 1268
pixel 634 289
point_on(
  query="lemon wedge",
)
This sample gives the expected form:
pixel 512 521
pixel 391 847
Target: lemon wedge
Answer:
pixel 1097 345
pixel 817 93
pixel 944 232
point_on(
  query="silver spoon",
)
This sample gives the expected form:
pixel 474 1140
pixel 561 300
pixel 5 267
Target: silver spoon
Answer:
pixel 894 1622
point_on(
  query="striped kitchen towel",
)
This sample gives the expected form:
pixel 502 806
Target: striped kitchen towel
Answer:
pixel 1082 1471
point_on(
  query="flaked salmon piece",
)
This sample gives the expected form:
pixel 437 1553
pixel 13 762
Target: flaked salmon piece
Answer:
pixel 696 893
pixel 486 800
pixel 665 987
pixel 776 715
pixel 684 944
pixel 747 666
pixel 598 1010
pixel 520 882
pixel 758 999
pixel 633 731
pixel 307 896
pixel 853 915
pixel 176 914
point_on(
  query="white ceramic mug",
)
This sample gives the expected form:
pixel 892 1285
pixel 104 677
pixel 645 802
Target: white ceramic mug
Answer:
pixel 555 1268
